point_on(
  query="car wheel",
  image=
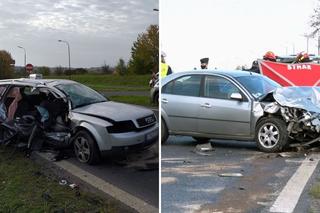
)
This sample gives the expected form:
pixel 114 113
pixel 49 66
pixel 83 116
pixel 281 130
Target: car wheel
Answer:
pixel 271 134
pixel 164 132
pixel 85 148
pixel 201 139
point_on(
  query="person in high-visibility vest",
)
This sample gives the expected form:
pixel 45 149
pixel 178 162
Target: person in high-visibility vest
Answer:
pixel 165 68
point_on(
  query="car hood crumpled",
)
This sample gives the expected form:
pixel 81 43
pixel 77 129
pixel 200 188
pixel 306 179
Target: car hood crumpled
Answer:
pixel 307 98
pixel 114 111
pixel 300 109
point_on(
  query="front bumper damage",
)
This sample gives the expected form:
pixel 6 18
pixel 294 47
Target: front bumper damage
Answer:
pixel 300 109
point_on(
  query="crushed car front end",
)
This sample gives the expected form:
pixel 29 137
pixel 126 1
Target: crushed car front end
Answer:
pixel 111 134
pixel 299 107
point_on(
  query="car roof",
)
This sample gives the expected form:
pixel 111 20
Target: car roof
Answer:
pixel 227 73
pixel 36 82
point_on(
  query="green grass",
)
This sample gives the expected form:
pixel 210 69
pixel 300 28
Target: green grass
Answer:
pixel 23 187
pixel 102 82
pixel 315 191
pixel 138 100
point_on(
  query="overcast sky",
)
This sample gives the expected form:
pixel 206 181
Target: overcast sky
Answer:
pixel 98 31
pixel 232 32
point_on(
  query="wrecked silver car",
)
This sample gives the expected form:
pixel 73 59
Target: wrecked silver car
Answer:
pixel 238 105
pixel 64 113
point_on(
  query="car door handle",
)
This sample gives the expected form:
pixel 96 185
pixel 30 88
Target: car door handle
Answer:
pixel 206 105
pixel 164 101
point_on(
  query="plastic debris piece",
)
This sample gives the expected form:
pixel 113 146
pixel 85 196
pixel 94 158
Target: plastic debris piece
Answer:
pixel 204 147
pixel 63 182
pixel 231 175
pixel 73 186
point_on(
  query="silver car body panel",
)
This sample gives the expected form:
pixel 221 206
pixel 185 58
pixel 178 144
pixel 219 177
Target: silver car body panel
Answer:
pixel 224 119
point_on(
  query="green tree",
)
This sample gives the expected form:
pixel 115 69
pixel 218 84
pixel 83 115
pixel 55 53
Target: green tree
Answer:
pixel 145 52
pixel 121 67
pixel 6 65
pixel 59 70
pixel 79 71
pixel 45 71
pixel 106 69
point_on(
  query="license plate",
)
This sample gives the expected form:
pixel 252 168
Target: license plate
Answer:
pixel 151 135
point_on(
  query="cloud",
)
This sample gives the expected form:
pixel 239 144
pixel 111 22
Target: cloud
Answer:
pixel 35 22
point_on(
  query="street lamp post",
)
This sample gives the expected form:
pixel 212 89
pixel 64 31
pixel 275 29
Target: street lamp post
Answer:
pixel 68 53
pixel 25 56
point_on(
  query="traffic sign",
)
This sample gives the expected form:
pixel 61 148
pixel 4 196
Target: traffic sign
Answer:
pixel 29 68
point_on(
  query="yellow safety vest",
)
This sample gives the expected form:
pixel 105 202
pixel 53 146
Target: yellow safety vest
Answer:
pixel 164 70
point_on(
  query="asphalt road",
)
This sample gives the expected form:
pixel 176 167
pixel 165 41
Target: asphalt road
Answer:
pixel 191 180
pixel 136 173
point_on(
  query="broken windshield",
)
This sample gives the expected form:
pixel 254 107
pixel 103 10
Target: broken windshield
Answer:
pixel 258 85
pixel 81 95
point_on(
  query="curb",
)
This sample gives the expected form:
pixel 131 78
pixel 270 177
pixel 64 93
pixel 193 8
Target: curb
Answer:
pixel 129 200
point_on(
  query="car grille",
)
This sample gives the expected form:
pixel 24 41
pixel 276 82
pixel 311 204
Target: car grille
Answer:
pixel 122 126
pixel 146 121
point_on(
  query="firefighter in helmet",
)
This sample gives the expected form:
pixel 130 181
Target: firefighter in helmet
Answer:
pixel 270 56
pixel 302 58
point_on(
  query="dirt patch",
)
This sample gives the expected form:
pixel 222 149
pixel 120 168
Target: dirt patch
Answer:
pixel 201 169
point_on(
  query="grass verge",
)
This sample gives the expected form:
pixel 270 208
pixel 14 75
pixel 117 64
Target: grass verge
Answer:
pixel 102 82
pixel 25 187
pixel 138 100
pixel 315 191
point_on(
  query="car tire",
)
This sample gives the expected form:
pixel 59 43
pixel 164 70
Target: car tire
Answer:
pixel 164 132
pixel 271 134
pixel 201 140
pixel 85 148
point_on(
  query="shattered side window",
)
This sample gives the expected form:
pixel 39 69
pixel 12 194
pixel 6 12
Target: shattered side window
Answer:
pixel 3 112
pixel 2 90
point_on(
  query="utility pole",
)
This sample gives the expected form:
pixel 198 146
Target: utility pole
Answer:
pixel 25 56
pixel 67 43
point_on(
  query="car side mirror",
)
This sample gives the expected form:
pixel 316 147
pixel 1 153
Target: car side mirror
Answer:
pixel 236 96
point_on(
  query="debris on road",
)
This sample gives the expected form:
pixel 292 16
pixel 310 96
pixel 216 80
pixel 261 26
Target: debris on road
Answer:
pixel 73 185
pixel 203 149
pixel 231 175
pixel 207 147
pixel 63 182
pixel 290 155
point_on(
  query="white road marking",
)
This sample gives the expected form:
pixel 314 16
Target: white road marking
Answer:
pixel 108 188
pixel 290 194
